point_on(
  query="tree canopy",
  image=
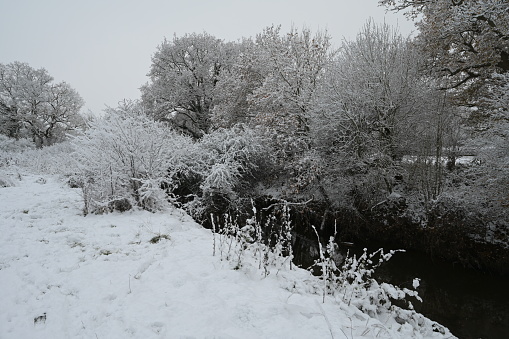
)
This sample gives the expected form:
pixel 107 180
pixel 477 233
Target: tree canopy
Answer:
pixel 465 40
pixel 183 76
pixel 32 106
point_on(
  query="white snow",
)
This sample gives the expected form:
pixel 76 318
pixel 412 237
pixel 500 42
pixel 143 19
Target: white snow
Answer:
pixel 415 283
pixel 63 275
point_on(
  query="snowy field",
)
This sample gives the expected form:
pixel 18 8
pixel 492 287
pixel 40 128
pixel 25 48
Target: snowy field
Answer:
pixel 63 275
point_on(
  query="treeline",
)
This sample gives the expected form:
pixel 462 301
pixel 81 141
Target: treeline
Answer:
pixel 374 132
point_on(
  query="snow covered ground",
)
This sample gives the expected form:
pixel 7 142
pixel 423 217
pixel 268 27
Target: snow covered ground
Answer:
pixel 63 275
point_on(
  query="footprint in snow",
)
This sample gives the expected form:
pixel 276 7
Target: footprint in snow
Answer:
pixel 40 319
pixel 157 327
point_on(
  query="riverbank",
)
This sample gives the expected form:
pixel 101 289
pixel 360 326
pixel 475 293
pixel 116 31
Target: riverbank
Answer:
pixel 149 275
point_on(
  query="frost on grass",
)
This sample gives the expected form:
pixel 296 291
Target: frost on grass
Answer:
pixel 348 285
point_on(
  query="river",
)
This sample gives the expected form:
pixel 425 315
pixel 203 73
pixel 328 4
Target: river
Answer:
pixel 471 304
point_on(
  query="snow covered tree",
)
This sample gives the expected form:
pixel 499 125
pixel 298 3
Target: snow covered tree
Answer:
pixel 491 139
pixel 31 105
pixel 183 76
pixel 466 43
pixel 433 143
pixel 293 64
pixel 236 85
pixel 465 40
pixel 371 90
pixel 10 126
pixel 375 107
pixel 272 86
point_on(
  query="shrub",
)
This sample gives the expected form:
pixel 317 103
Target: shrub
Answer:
pixel 5 181
pixel 129 156
pixel 120 205
pixel 53 159
pixel 15 145
pixel 224 161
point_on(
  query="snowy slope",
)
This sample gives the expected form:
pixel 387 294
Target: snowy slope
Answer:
pixel 63 275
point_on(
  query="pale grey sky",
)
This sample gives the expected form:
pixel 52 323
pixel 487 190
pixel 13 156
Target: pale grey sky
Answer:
pixel 103 48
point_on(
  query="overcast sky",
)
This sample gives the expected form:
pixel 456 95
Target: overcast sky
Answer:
pixel 103 48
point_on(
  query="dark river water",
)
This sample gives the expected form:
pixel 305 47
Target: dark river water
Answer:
pixel 469 303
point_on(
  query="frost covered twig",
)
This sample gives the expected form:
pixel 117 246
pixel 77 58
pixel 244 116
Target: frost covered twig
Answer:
pixel 286 203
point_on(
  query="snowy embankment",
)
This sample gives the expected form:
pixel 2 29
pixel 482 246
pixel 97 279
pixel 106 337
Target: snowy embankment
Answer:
pixel 63 275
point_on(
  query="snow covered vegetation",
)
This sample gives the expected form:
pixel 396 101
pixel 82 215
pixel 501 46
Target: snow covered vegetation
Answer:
pixel 147 275
pixel 282 149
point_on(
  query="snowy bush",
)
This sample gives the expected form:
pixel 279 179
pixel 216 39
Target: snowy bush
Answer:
pixel 129 156
pixel 225 160
pixel 55 159
pixel 229 154
pixel 222 177
pixel 5 181
pixel 10 148
pixel 353 281
pixel 15 145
